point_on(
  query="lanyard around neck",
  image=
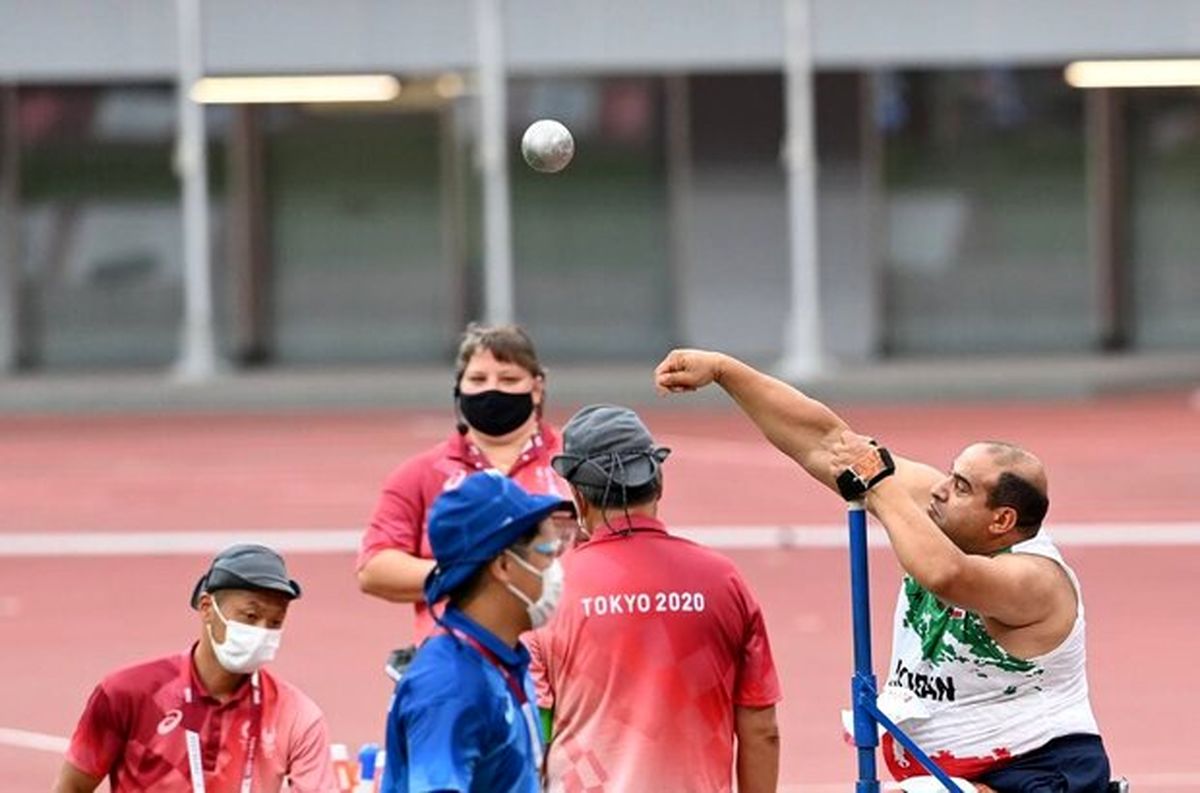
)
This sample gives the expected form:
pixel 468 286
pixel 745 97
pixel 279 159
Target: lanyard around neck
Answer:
pixel 192 737
pixel 515 689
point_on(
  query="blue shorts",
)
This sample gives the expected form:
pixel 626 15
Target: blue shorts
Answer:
pixel 1070 764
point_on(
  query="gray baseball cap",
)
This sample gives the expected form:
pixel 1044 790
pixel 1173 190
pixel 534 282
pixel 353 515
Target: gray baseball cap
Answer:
pixel 608 444
pixel 246 566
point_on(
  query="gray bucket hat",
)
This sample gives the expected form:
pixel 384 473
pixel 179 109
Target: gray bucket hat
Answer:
pixel 605 445
pixel 246 566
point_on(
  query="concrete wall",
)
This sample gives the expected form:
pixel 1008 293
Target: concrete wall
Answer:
pixel 123 39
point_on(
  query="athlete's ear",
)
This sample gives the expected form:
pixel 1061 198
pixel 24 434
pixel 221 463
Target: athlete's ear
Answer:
pixel 1004 520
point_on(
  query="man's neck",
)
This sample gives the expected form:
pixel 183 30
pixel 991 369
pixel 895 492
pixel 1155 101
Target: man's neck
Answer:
pixel 613 516
pixel 218 681
pixel 496 618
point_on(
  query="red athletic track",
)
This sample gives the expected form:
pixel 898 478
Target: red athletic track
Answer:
pixel 65 621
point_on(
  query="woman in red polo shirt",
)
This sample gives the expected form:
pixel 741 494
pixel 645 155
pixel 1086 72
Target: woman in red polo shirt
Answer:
pixel 499 394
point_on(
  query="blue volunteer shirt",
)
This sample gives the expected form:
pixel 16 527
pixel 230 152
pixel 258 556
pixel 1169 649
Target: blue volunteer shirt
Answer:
pixel 455 724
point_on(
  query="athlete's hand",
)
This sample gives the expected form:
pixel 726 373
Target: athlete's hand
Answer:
pixel 847 449
pixel 687 370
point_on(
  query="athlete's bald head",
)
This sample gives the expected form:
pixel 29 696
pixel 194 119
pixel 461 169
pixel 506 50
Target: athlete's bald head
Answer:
pixel 1020 483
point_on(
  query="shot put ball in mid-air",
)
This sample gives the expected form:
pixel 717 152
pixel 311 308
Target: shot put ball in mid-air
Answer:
pixel 547 146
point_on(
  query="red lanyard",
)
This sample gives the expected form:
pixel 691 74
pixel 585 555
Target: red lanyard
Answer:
pixel 514 685
pixel 192 737
pixel 515 688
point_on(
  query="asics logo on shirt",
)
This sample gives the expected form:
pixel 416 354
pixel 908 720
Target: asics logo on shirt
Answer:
pixel 170 721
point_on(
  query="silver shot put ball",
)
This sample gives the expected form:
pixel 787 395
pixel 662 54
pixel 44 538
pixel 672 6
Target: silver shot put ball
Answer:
pixel 547 146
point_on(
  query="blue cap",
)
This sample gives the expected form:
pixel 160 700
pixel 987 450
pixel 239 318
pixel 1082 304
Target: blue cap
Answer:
pixel 473 523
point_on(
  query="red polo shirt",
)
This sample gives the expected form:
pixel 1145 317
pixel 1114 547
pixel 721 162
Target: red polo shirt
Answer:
pixel 132 731
pixel 657 639
pixel 401 517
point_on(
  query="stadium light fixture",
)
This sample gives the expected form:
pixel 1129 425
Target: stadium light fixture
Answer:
pixel 1133 74
pixel 295 89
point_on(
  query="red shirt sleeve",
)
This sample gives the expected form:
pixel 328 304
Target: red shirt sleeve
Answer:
pixel 757 683
pixel 310 769
pixel 99 736
pixel 399 517
pixel 536 641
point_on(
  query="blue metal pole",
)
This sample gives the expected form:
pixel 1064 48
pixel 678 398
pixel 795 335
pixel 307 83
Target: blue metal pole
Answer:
pixel 862 686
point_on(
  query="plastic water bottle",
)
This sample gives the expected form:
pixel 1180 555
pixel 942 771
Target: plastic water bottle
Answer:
pixel 380 766
pixel 343 768
pixel 367 768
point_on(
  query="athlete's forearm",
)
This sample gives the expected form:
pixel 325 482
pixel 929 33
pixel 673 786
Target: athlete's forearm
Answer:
pixel 924 552
pixel 796 424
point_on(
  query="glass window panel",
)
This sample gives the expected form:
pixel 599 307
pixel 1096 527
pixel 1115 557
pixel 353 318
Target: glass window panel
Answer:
pixel 1165 206
pixel 591 242
pixel 986 242
pixel 355 217
pixel 101 227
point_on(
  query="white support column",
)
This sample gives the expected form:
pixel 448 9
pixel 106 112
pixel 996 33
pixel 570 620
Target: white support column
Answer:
pixel 10 233
pixel 679 199
pixel 802 348
pixel 493 162
pixel 197 353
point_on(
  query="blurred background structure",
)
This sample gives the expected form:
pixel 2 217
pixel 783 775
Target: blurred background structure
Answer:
pixel 886 200
pixel 968 200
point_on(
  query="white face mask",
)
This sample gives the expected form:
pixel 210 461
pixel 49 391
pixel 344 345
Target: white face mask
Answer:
pixel 246 647
pixel 543 608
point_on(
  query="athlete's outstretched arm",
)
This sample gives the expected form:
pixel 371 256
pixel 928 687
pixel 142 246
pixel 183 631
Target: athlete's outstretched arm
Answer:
pixel 799 426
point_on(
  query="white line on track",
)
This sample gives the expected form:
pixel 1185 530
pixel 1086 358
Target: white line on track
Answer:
pixel 746 537
pixel 23 739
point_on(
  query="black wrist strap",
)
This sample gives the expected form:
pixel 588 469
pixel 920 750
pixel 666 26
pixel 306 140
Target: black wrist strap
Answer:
pixel 869 469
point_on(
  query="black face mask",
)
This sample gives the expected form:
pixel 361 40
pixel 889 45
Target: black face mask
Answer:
pixel 495 413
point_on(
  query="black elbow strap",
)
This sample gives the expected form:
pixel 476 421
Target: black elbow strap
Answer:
pixel 862 475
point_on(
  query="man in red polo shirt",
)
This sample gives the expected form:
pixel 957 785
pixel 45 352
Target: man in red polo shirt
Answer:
pixel 210 718
pixel 658 657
